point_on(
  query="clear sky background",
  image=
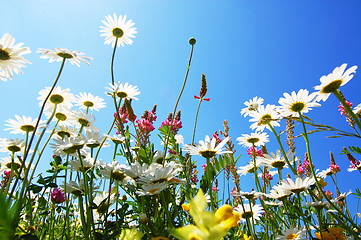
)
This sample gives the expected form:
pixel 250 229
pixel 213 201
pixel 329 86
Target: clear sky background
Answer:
pixel 245 48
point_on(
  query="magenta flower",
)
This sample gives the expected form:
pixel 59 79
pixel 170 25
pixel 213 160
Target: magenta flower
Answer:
pixel 57 196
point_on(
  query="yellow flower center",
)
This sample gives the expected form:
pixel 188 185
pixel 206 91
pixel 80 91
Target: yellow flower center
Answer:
pixel 88 104
pixel 65 55
pixel 119 176
pixel 117 32
pixel 122 94
pixel 60 116
pixel 265 119
pixel 291 236
pixel 332 86
pixel 253 140
pixel 207 153
pixel 14 148
pixel 297 106
pixel 278 164
pixel 56 98
pixel 27 128
pixel 4 55
pixel 62 134
pixel 84 122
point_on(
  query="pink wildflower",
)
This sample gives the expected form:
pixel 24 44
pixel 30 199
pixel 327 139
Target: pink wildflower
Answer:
pixel 342 109
pixel 253 151
pixel 215 189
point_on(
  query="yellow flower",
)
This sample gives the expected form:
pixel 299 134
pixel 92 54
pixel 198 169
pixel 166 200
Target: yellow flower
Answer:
pixel 332 233
pixel 186 207
pixel 208 225
pixel 227 217
pixel 131 234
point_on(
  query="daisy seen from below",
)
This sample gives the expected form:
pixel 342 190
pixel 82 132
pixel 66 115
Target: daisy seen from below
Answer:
pixel 296 103
pixel 126 90
pixel 61 98
pixel 248 212
pixel 251 167
pixel 263 117
pixel 59 54
pixel 254 139
pixel 292 233
pixel 207 148
pixel 275 160
pixel 334 80
pixel 11 57
pixel 83 120
pixel 252 106
pixel 89 101
pixel 118 30
pixel 300 185
pixel 23 125
pixel 12 145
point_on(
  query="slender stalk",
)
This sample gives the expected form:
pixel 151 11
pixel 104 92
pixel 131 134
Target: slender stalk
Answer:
pixel 178 100
pixel 196 120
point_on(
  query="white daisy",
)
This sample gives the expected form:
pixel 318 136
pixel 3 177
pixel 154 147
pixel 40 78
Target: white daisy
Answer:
pixel 254 139
pixel 152 188
pixel 59 54
pixel 357 109
pixel 333 81
pixel 11 57
pixel 300 185
pixel 12 145
pixel 248 212
pixel 292 233
pixel 207 148
pixel 103 201
pixel 179 139
pixel 89 101
pixel 249 168
pixel 118 29
pixel 95 139
pixel 116 172
pixel 296 103
pixel 279 194
pixel 157 173
pixel 69 145
pixel 23 124
pixel 136 169
pixel 275 160
pixel 249 195
pixel 7 163
pixel 61 98
pixel 76 188
pixel 252 106
pixel 126 90
pixel 62 131
pixel 83 119
pixel 83 165
pixel 117 139
pixel 263 116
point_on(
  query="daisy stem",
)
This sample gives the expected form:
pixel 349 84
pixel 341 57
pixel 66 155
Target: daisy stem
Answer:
pixel 178 99
pixel 112 61
pixel 348 108
pixel 318 185
pixel 282 149
pixel 196 120
pixel 42 110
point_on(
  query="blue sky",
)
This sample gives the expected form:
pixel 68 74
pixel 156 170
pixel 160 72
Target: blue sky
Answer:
pixel 245 48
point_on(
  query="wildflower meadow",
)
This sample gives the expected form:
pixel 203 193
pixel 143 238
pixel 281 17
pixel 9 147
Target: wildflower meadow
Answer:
pixel 62 177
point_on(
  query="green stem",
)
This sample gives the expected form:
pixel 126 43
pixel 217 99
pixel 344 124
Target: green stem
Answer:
pixel 196 120
pixel 178 100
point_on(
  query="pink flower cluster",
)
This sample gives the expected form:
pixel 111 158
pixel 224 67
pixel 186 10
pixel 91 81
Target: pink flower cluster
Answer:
pixel 57 195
